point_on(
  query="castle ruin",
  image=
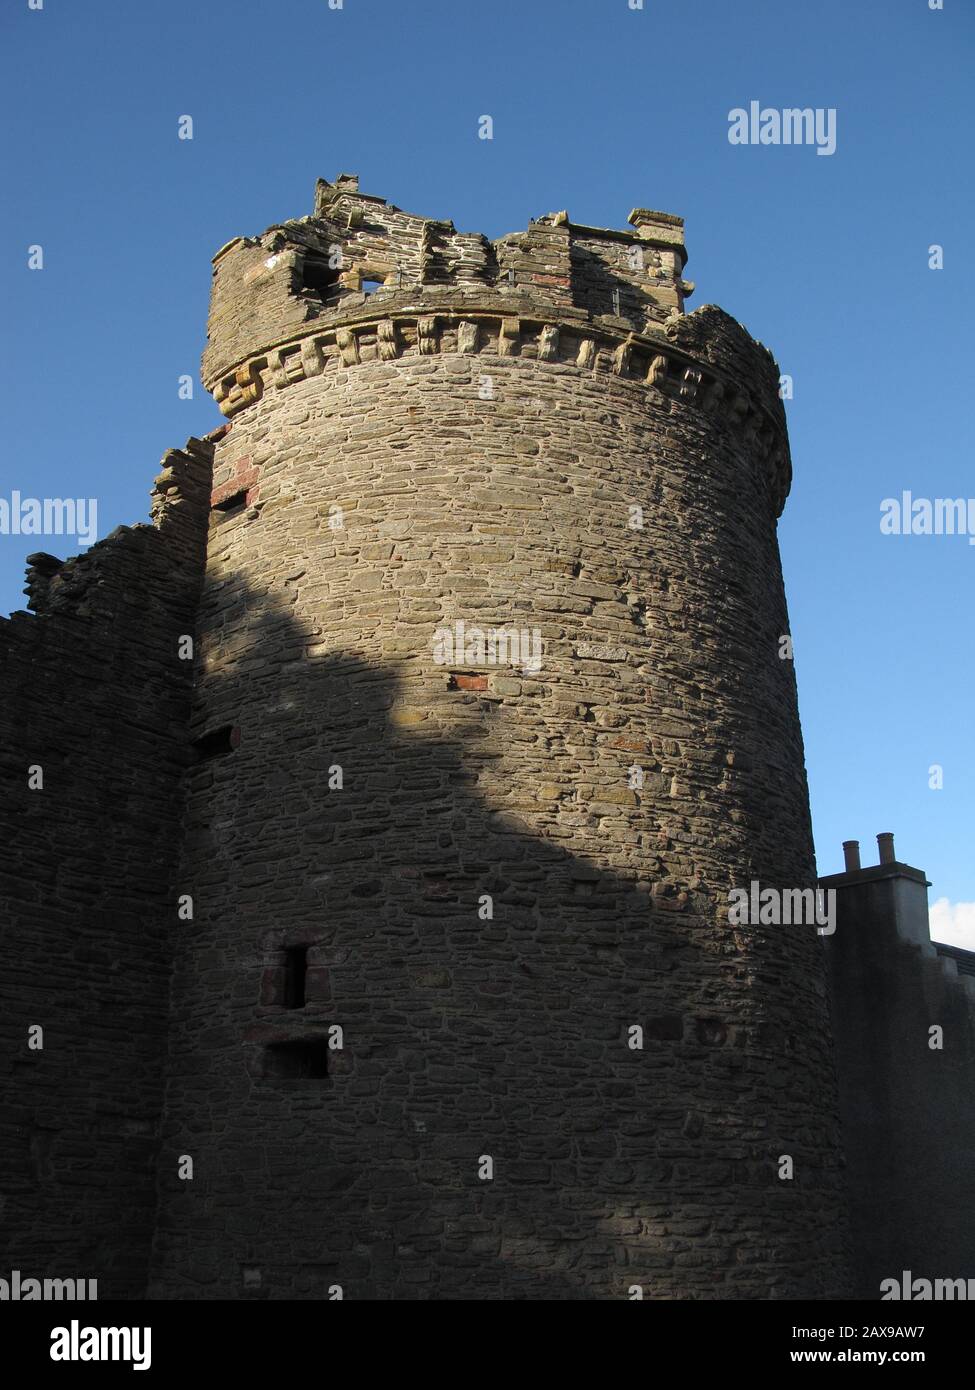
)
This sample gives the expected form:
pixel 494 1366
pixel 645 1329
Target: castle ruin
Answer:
pixel 394 783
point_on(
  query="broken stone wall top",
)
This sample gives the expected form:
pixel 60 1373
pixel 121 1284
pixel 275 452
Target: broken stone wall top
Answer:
pixel 326 268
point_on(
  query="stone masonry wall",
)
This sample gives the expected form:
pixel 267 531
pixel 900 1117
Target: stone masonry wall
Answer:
pixel 92 693
pixel 398 462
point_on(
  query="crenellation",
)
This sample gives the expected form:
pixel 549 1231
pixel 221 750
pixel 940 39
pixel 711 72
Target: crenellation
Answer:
pixel 314 269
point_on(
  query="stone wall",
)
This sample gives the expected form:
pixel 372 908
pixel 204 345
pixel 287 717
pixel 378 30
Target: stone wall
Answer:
pixel 458 447
pixel 93 694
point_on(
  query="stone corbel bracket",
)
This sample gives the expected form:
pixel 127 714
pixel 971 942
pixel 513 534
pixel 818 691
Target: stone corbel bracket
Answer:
pixel 652 362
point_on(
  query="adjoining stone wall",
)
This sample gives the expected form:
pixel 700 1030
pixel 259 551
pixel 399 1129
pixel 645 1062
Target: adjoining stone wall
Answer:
pixel 908 1107
pixel 92 692
pixel 390 472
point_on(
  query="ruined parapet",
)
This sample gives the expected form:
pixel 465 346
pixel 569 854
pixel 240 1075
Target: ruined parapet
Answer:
pixel 363 281
pixel 93 583
pixel 94 709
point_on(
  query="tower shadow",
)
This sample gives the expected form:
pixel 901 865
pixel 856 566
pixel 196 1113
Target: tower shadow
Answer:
pixel 487 1127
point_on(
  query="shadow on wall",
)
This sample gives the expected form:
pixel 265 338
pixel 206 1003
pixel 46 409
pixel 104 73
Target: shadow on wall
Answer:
pixel 485 975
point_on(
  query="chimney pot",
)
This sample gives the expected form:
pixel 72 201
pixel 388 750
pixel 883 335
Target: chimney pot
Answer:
pixel 851 855
pixel 885 842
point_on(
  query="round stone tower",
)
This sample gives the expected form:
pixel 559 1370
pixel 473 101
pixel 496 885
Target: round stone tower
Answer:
pixel 494 712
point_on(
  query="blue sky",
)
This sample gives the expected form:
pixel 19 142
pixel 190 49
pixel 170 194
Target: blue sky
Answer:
pixel 597 108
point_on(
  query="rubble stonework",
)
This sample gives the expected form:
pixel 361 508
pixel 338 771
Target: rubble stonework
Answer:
pixel 92 694
pixel 430 905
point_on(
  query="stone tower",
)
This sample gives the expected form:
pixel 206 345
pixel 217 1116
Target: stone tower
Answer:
pixel 437 881
pixel 486 718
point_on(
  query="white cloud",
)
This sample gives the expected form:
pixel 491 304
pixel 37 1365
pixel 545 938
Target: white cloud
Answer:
pixel 953 923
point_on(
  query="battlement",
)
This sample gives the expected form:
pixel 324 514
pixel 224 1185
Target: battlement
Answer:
pixel 362 282
pixel 357 252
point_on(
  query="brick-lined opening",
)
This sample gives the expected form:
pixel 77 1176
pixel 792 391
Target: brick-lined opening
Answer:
pixel 239 490
pixel 236 502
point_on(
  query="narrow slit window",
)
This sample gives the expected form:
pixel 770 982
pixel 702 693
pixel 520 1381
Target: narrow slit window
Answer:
pixel 295 973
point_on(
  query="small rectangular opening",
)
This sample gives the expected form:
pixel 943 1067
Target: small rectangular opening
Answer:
pixel 217 743
pixel 295 972
pixel 370 286
pixel 319 277
pixel 236 502
pixel 296 1061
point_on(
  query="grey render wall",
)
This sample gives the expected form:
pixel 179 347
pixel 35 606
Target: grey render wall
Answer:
pixel 908 1110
